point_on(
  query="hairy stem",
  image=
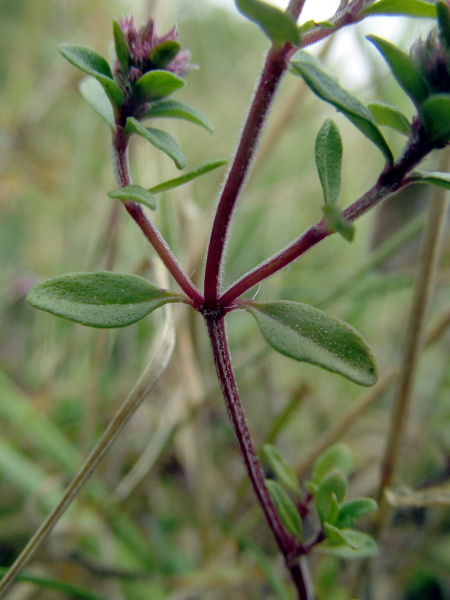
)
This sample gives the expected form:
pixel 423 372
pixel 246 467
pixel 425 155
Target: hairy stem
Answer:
pixel 391 180
pixel 122 175
pixel 222 361
pixel 274 68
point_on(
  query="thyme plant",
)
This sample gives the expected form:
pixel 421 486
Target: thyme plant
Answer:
pixel 136 90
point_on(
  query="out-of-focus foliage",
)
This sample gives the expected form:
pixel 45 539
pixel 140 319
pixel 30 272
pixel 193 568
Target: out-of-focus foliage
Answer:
pixel 189 527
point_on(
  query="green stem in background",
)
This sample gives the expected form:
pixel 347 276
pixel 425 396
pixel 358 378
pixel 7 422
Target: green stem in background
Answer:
pixel 142 388
pixel 122 175
pixel 429 260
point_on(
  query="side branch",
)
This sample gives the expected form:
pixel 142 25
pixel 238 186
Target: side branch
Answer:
pixel 122 175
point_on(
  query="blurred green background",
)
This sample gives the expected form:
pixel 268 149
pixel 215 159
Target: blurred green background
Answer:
pixel 189 528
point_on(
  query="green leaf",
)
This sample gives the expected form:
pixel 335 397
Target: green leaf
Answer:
pixel 281 468
pixel 95 95
pixel 353 510
pixel 435 116
pixel 155 85
pixel 337 222
pixel 443 13
pixel 189 176
pixel 410 8
pixel 348 544
pixel 121 47
pixel 136 193
pixel 402 67
pixel 160 139
pixel 330 495
pixel 328 152
pixel 162 54
pixel 389 116
pixel 286 509
pixel 102 299
pixel 93 64
pixel 329 90
pixel 337 457
pixel 277 25
pixel 305 333
pixel 177 110
pixel 433 178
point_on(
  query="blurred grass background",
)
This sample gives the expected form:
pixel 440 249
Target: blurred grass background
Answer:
pixel 190 529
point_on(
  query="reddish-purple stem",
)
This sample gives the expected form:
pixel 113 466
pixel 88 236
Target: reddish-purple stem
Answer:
pixel 273 70
pixel 122 175
pixel 217 334
pixel 391 180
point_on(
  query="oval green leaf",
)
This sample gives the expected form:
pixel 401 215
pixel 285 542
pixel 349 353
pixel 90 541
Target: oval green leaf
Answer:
pixel 189 176
pixel 162 54
pixel 102 299
pixel 338 544
pixel 160 139
pixel 389 116
pixel 337 457
pixel 353 510
pixel 434 178
pixel 286 509
pixel 155 85
pixel 435 116
pixel 308 334
pixel 410 8
pixel 95 95
pixel 177 110
pixel 94 64
pixel 121 47
pixel 277 25
pixel 328 154
pixel 328 89
pixel 281 468
pixel 136 193
pixel 403 69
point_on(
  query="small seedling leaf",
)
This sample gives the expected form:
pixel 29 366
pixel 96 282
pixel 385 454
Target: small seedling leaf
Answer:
pixel 354 539
pixel 189 176
pixel 282 469
pixel 410 8
pixel 330 495
pixel 337 222
pixel 102 299
pixel 435 116
pixel 328 153
pixel 277 25
pixel 329 90
pixel 353 510
pixel 121 47
pixel 403 69
pixel 389 116
pixel 337 457
pixel 286 509
pixel 136 193
pixel 160 139
pixel 308 334
pixel 95 95
pixel 93 64
pixel 158 84
pixel 178 110
pixel 433 178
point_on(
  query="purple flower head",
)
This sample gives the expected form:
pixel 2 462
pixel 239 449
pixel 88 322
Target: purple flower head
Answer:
pixel 432 59
pixel 148 52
